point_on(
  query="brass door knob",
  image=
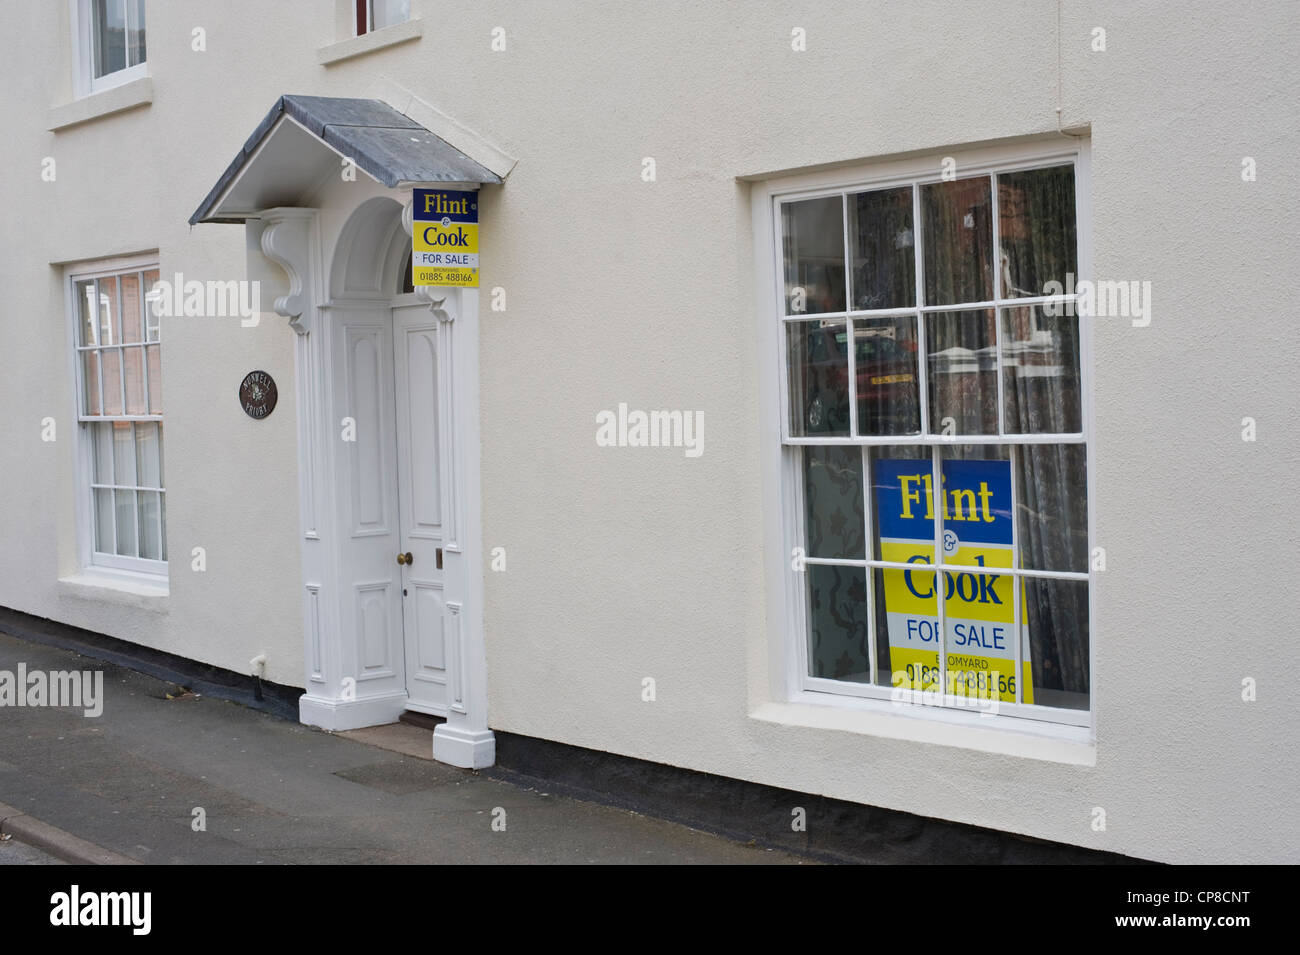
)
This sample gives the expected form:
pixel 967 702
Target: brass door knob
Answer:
pixel 406 558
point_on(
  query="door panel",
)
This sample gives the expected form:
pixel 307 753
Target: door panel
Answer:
pixel 370 594
pixel 431 639
pixel 371 496
pixel 419 465
pixel 421 475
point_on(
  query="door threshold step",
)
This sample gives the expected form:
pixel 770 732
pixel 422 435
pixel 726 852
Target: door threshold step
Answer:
pixel 423 720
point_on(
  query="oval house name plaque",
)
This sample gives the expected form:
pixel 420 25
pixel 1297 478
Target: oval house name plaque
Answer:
pixel 258 394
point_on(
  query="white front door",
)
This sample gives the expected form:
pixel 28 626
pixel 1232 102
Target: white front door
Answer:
pixel 390 385
pixel 423 427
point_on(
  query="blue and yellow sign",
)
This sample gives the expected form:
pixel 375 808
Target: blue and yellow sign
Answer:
pixel 444 238
pixel 979 635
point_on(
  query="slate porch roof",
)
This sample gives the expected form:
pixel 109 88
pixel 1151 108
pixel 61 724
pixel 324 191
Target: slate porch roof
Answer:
pixel 383 142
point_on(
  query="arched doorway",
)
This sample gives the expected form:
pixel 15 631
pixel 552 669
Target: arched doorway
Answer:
pixel 388 435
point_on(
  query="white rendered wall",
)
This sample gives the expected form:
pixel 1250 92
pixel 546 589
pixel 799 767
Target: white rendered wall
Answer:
pixel 626 563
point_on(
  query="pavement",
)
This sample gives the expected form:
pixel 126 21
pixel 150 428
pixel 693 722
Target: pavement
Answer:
pixel 14 852
pixel 201 780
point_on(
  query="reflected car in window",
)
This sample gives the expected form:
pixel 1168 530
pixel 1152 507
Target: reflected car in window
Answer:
pixel 885 369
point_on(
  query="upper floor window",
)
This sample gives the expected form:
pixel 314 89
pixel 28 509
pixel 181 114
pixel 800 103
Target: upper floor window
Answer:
pixel 118 372
pixel 936 433
pixel 374 15
pixel 110 43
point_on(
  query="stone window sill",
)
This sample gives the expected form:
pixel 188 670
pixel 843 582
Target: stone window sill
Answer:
pixel 118 587
pixel 370 42
pixel 106 103
pixel 1005 735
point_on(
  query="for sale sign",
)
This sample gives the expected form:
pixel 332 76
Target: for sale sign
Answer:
pixel 444 238
pixel 979 634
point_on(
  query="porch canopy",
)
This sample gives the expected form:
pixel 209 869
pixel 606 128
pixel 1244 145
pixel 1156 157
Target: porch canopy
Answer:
pixel 303 139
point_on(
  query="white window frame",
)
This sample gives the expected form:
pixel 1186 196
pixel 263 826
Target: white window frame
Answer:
pixel 88 559
pixel 783 491
pixel 83 47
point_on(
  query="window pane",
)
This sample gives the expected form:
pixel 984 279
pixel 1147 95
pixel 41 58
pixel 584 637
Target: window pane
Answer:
pixel 149 518
pixel 124 505
pixel 90 382
pixel 133 375
pixel 162 522
pixel 103 500
pixel 151 327
pixel 123 454
pixel 87 329
pixel 388 12
pixel 963 374
pixel 1036 222
pixel 833 497
pixel 110 363
pixel 108 35
pixel 109 333
pixel 130 286
pixel 154 357
pixel 882 238
pixel 885 364
pixel 907 618
pixel 1055 615
pixel 135 35
pixel 148 454
pixel 837 623
pixel 813 243
pixel 975 508
pixel 102 440
pixel 818 356
pixel 1040 362
pixel 976 530
pixel 958 241
pixel 1052 511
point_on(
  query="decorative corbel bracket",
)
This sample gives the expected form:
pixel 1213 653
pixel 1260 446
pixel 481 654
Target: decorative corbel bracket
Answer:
pixel 286 241
pixel 427 293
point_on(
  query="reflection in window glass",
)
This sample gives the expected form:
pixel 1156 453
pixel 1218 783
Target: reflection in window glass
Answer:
pixel 110 362
pixel 818 357
pixel 958 241
pixel 117 35
pixel 153 356
pixel 133 379
pixel 888 387
pixel 386 13
pixel 1052 507
pixel 1040 368
pixel 1036 230
pixel 882 241
pixel 813 232
pixel 963 372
